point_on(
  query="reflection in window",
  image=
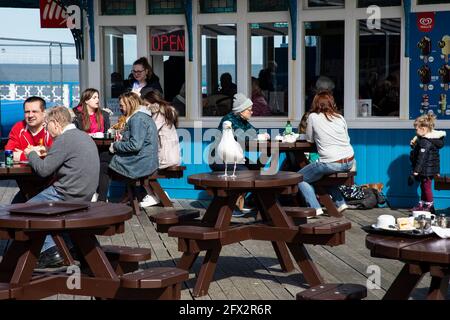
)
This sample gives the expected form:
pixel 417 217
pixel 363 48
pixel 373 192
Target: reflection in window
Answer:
pixel 167 48
pixel 380 3
pixel 270 61
pixel 165 6
pixel 326 3
pixel 119 54
pixel 324 60
pixel 118 7
pixel 217 6
pixel 432 1
pixel 379 69
pixel 267 5
pixel 218 68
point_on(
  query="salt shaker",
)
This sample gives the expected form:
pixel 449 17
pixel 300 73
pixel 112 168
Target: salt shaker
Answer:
pixel 442 221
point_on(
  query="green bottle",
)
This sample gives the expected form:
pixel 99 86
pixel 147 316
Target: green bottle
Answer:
pixel 288 128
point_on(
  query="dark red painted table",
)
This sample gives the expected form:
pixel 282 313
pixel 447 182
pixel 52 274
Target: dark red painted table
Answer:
pixel 420 255
pixel 28 232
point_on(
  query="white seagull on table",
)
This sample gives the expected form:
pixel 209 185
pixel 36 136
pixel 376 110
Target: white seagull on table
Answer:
pixel 229 149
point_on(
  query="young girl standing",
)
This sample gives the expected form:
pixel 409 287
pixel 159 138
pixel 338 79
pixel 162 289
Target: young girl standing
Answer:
pixel 425 158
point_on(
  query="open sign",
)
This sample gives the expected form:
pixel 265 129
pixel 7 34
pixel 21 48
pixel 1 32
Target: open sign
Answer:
pixel 167 41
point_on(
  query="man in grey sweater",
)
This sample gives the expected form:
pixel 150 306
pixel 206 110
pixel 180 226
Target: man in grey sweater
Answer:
pixel 74 162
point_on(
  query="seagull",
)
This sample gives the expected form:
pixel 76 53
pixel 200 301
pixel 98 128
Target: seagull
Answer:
pixel 229 149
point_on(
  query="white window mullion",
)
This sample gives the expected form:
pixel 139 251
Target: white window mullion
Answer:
pixel 243 50
pixel 351 66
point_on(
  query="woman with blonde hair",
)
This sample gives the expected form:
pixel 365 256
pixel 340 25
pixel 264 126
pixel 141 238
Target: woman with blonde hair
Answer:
pixel 136 154
pixel 328 130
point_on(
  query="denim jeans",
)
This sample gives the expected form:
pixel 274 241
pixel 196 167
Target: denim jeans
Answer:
pixel 49 194
pixel 314 172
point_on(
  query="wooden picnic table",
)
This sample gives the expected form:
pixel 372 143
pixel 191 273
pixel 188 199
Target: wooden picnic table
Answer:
pixel 442 182
pixel 295 151
pixel 216 229
pixel 420 255
pixel 29 183
pixel 28 232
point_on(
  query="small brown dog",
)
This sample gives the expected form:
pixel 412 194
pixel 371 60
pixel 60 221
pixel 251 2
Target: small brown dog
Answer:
pixel 378 186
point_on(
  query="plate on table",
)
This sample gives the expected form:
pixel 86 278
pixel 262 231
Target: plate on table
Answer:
pixel 48 208
pixel 414 233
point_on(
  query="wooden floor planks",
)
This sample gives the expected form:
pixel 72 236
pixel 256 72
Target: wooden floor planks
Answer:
pixel 249 270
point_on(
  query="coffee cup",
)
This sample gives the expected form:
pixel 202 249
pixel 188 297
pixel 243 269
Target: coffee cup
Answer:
pixel 427 214
pixel 385 221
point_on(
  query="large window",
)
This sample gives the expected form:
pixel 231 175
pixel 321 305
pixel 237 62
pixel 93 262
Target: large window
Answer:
pixel 380 3
pixel 432 1
pixel 218 75
pixel 379 69
pixel 325 3
pixel 165 6
pixel 167 48
pixel 119 54
pixel 267 5
pixel 324 60
pixel 217 6
pixel 118 7
pixel 269 68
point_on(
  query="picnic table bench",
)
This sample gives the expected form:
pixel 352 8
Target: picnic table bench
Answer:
pixel 216 229
pixel 151 185
pixel 442 182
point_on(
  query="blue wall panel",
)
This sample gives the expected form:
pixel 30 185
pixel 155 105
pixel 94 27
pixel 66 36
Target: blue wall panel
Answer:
pixel 382 156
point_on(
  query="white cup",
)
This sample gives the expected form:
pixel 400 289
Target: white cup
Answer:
pixel 385 221
pixel 427 214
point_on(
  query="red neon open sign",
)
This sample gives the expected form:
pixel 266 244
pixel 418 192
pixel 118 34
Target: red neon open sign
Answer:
pixel 168 42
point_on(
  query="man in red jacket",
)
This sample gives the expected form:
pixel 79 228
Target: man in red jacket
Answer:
pixel 31 131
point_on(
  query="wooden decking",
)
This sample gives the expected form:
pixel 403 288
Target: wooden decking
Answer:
pixel 249 270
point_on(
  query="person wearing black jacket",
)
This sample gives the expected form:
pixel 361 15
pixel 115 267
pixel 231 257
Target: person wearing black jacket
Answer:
pixel 425 158
pixel 142 78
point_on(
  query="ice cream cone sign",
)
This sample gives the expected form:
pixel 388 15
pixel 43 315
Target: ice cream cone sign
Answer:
pixel 444 73
pixel 445 47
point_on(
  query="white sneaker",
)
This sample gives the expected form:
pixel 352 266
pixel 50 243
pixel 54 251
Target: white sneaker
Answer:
pixel 319 212
pixel 148 201
pixel 342 208
pixel 94 197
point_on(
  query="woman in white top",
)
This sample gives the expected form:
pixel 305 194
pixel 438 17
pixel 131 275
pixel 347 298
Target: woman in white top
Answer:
pixel 166 120
pixel 328 130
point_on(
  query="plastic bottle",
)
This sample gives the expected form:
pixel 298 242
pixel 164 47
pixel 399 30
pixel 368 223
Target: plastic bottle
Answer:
pixel 288 128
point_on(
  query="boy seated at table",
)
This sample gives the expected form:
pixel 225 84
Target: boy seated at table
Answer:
pixel 74 161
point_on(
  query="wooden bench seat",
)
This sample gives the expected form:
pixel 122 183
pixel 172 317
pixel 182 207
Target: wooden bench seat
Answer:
pixel 334 291
pixel 168 217
pixel 325 226
pixel 335 179
pixel 194 232
pixel 165 281
pixel 152 186
pixel 442 182
pixel 6 292
pixel 299 212
pixel 126 259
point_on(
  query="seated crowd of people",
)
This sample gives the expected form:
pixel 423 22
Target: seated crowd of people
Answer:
pixel 57 145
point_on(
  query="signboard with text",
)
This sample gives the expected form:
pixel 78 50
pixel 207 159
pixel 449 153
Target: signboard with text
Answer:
pixel 429 85
pixel 167 42
pixel 52 14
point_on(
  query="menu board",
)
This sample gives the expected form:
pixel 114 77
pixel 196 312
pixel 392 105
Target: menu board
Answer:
pixel 429 51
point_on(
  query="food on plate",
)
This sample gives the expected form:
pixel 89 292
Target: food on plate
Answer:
pixel 405 223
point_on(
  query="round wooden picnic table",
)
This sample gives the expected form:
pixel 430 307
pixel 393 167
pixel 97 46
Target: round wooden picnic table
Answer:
pixel 28 232
pixel 420 255
pixel 216 229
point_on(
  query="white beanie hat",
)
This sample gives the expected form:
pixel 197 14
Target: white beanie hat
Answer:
pixel 241 102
